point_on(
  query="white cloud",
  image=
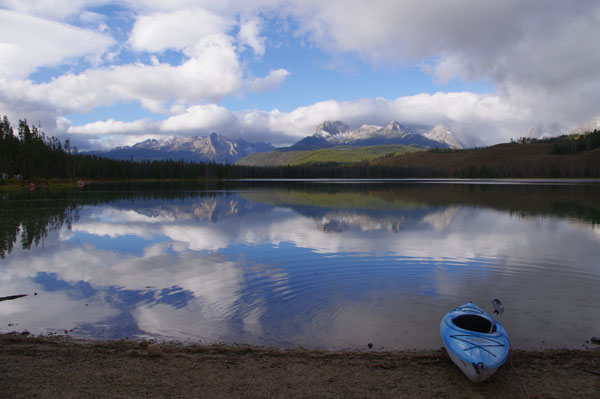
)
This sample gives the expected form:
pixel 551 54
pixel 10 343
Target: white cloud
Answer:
pixel 112 126
pixel 542 60
pixel 28 42
pixel 52 9
pixel 178 30
pixel 270 82
pixel 89 17
pixel 199 118
pixel 211 73
pixel 249 35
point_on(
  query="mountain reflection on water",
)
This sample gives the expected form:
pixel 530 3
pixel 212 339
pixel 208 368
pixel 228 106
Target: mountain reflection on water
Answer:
pixel 315 264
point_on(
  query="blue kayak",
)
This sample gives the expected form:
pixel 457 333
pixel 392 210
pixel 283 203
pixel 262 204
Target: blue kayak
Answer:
pixel 476 350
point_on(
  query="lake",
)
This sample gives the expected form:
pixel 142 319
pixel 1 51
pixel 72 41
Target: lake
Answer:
pixel 316 264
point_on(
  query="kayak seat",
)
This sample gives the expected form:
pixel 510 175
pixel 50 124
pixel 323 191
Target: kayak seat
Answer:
pixel 473 322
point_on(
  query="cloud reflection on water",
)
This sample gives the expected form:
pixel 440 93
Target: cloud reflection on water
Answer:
pixel 230 269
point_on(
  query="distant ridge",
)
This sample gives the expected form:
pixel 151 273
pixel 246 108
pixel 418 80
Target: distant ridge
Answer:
pixel 212 148
pixel 337 137
pixel 327 135
pixel 334 133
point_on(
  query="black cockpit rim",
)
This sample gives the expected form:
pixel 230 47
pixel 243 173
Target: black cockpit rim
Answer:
pixel 473 322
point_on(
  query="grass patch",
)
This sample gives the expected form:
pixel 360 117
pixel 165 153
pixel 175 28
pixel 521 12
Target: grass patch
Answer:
pixel 335 155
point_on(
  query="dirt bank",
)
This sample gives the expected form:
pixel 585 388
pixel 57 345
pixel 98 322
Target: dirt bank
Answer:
pixel 64 368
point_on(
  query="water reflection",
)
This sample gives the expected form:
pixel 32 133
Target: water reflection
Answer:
pixel 311 264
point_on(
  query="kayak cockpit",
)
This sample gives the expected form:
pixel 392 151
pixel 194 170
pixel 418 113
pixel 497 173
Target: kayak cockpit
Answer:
pixel 473 322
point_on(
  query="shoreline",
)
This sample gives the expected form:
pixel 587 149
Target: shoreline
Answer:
pixel 73 183
pixel 60 366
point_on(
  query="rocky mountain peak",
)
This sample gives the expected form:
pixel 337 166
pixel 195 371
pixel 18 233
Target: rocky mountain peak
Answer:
pixel 442 134
pixel 338 133
pixel 393 126
pixel 215 147
pixel 331 128
pixel 150 143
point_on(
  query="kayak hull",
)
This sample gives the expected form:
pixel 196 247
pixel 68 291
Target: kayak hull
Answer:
pixel 472 374
pixel 476 351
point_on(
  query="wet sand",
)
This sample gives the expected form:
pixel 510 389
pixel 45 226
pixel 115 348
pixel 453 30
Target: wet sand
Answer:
pixel 59 367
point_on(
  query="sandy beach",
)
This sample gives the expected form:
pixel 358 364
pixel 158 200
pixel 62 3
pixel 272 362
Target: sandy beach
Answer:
pixel 61 367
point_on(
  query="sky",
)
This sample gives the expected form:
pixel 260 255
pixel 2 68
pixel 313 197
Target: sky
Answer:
pixel 111 73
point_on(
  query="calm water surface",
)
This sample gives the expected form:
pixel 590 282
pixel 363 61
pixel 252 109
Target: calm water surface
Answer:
pixel 316 264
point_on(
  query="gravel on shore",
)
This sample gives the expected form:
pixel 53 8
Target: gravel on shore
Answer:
pixel 60 367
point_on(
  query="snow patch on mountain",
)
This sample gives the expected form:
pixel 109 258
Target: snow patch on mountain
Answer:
pixel 329 129
pixel 338 133
pixel 215 147
pixel 442 134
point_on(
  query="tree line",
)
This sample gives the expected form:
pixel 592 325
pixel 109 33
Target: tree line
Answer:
pixel 32 155
pixel 576 143
pixel 566 144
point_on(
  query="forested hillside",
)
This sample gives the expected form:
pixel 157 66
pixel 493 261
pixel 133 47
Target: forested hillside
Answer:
pixel 559 157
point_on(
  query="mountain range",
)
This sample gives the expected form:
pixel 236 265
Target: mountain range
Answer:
pixel 333 141
pixel 212 148
pixel 336 133
pixel 328 135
